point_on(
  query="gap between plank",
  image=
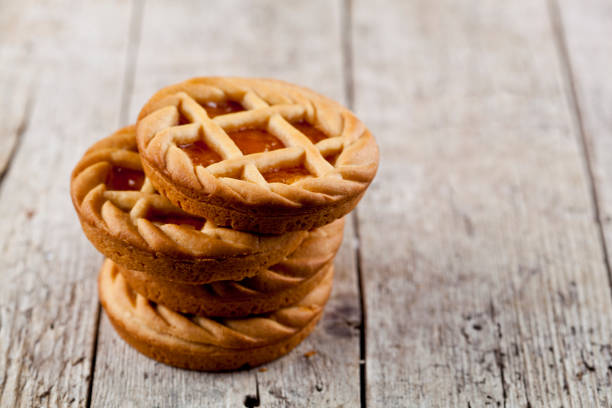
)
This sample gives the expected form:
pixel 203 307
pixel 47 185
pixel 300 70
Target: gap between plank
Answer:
pixel 126 94
pixel 19 132
pixel 347 52
pixel 131 58
pixel 585 146
pixel 583 142
pixel 251 401
pixel 362 325
pixel 349 89
pixel 94 353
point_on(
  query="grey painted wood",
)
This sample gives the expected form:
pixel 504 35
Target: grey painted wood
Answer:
pixel 300 43
pixel 48 302
pixel 483 268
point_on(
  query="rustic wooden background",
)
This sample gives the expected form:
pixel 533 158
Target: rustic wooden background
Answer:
pixel 475 271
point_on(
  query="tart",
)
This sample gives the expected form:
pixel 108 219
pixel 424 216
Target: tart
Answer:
pixel 127 220
pixel 278 286
pixel 202 343
pixel 258 155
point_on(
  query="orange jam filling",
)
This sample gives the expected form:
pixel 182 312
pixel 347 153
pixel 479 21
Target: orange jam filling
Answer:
pixel 311 132
pixel 331 158
pixel 194 222
pixel 183 119
pixel 213 109
pixel 200 153
pixel 221 108
pixel 122 179
pixel 287 176
pixel 255 140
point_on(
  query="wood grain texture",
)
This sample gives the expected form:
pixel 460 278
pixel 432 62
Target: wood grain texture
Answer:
pixel 484 274
pixel 585 30
pixel 482 251
pixel 16 85
pixel 298 42
pixel 48 302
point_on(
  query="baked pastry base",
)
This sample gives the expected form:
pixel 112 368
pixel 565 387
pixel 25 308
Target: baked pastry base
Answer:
pixel 208 345
pixel 183 269
pixel 202 358
pixel 202 301
pixel 271 288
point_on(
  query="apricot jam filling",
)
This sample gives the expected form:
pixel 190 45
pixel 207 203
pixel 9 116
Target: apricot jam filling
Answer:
pixel 122 179
pixel 200 153
pixel 183 119
pixel 194 222
pixel 311 132
pixel 255 141
pixel 331 158
pixel 213 109
pixel 288 175
pixel 221 108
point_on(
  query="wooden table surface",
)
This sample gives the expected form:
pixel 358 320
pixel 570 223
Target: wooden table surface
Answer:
pixel 476 270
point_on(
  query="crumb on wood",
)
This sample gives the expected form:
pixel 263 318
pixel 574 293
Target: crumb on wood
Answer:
pixel 263 369
pixel 310 353
pixel 30 213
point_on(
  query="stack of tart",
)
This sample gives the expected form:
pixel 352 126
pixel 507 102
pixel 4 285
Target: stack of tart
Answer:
pixel 220 213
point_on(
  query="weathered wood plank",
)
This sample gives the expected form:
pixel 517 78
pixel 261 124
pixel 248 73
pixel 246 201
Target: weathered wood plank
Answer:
pixel 298 43
pixel 48 297
pixel 585 30
pixel 14 114
pixel 16 85
pixel 125 378
pixel 482 263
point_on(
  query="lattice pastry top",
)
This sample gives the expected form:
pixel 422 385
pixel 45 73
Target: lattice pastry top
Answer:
pixel 256 331
pixel 129 222
pixel 257 154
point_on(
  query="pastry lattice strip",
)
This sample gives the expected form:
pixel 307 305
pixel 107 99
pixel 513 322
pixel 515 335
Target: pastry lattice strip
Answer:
pixel 140 204
pixel 277 120
pixel 274 106
pixel 125 213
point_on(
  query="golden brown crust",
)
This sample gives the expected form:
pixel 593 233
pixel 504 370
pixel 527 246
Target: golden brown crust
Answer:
pixel 233 191
pixel 203 300
pixel 201 343
pixel 118 223
pixel 248 221
pixel 280 285
pixel 221 360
